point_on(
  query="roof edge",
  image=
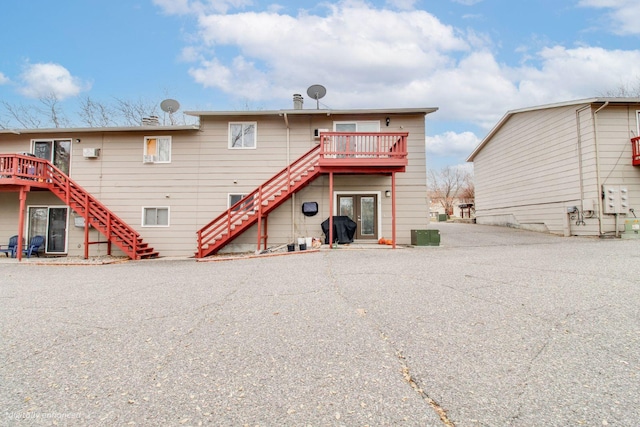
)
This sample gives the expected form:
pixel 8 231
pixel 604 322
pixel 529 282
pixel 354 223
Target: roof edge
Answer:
pixel 424 110
pixel 101 129
pixel 508 114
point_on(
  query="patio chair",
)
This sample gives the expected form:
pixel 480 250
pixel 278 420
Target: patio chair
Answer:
pixel 11 247
pixel 34 246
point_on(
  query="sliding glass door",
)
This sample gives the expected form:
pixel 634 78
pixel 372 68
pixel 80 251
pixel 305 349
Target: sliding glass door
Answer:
pixel 51 223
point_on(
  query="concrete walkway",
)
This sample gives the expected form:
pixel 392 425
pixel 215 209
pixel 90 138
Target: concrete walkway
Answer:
pixel 495 327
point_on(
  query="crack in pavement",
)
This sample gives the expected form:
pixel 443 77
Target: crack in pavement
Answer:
pixel 404 366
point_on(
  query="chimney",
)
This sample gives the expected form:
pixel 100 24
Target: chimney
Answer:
pixel 297 101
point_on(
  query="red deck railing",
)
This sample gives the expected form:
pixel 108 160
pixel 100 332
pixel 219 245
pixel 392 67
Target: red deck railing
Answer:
pixel 363 148
pixel 16 169
pixel 635 148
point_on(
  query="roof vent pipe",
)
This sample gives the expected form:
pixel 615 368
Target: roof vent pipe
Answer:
pixel 297 101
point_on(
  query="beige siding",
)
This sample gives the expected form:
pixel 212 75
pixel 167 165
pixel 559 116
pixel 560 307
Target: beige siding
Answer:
pixel 203 171
pixel 540 162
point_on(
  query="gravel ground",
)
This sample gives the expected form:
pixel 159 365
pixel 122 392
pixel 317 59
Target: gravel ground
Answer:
pixel 495 327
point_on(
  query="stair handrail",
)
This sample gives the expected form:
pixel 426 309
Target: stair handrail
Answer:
pixel 252 203
pixel 98 214
pixel 31 168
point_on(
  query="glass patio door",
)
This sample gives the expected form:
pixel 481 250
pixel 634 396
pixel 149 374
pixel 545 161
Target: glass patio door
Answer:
pixel 57 151
pixel 51 223
pixel 361 208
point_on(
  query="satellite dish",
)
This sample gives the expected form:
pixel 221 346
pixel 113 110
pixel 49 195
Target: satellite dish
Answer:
pixel 170 106
pixel 316 92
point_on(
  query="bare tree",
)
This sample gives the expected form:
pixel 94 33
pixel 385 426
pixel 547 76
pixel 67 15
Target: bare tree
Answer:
pixel 49 112
pixel 467 193
pixel 131 113
pixel 95 114
pixel 25 116
pixel 625 90
pixel 448 184
pixel 53 111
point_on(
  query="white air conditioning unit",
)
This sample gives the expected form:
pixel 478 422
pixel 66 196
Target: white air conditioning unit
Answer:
pixel 90 153
pixel 148 159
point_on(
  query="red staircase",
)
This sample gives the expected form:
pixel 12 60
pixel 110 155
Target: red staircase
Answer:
pixel 256 205
pixel 35 172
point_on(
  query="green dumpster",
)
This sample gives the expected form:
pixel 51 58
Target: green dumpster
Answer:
pixel 442 217
pixel 425 237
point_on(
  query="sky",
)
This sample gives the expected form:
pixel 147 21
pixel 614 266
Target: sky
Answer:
pixel 472 59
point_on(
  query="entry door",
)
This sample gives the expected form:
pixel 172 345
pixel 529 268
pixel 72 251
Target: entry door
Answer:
pixel 50 222
pixel 363 209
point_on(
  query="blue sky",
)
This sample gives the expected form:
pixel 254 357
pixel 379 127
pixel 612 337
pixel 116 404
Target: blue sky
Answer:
pixel 473 59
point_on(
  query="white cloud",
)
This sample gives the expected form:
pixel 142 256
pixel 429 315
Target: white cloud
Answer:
pixel 625 14
pixel 452 144
pixel 3 79
pixel 398 59
pixel 41 80
pixel 355 60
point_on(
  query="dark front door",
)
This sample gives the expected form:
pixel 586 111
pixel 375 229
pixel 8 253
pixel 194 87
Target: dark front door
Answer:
pixel 363 209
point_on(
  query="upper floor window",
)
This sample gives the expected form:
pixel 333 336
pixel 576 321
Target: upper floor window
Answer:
pixel 242 135
pixel 157 149
pixel 363 126
pixel 57 151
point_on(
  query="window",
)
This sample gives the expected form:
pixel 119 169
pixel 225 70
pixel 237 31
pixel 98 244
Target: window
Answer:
pixel 157 149
pixel 242 135
pixel 367 126
pixel 248 205
pixel 57 151
pixel 155 217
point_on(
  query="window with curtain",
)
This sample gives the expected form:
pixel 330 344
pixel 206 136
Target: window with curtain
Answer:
pixel 157 149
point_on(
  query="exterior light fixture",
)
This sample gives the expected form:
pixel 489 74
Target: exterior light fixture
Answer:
pixel 387 193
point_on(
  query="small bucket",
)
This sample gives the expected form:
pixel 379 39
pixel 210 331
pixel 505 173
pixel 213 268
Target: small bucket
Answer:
pixel 303 247
pixel 291 247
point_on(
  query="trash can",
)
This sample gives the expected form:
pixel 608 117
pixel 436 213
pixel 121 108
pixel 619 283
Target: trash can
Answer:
pixel 425 237
pixel 442 217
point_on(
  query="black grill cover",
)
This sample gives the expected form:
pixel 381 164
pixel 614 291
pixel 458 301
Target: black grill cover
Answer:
pixel 344 228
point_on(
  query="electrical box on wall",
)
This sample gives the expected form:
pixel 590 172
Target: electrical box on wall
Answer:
pixel 90 153
pixel 616 199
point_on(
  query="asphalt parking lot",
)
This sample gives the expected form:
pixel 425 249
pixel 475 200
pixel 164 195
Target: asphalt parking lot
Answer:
pixel 495 327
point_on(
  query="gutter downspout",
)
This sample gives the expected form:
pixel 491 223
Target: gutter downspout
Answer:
pixel 293 196
pixel 595 139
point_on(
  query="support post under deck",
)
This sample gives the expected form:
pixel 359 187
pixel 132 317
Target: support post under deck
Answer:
pixel 23 201
pixel 330 209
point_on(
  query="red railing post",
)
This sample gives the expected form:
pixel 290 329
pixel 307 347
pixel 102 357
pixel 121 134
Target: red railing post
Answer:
pixel 260 216
pixel 86 225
